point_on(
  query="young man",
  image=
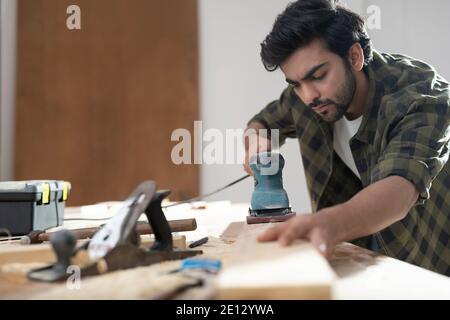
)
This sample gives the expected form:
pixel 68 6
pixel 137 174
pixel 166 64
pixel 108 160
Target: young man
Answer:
pixel 373 130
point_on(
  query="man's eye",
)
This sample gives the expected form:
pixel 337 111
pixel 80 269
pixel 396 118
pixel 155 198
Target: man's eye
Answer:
pixel 319 77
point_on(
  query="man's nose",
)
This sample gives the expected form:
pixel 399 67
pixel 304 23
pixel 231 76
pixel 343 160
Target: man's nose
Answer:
pixel 309 94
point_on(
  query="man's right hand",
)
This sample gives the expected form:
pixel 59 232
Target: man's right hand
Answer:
pixel 255 141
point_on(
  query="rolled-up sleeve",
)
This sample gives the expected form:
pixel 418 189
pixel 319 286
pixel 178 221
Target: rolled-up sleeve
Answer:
pixel 416 148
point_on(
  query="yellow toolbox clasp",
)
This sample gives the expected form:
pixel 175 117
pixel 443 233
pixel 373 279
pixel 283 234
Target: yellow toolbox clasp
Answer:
pixel 45 193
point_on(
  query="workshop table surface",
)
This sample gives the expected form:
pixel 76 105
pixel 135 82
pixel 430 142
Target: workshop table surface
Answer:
pixel 361 274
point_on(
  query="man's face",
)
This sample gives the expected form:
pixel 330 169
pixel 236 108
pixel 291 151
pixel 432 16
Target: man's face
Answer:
pixel 321 79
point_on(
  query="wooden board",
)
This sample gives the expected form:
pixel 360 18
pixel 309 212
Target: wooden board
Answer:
pixel 97 106
pixel 268 271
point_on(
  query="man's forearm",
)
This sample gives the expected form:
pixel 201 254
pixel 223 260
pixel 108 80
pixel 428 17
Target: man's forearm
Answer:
pixel 371 210
pixel 254 128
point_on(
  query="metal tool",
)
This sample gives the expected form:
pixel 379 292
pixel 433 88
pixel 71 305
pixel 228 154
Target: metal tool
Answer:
pixel 116 245
pixel 199 242
pixel 270 202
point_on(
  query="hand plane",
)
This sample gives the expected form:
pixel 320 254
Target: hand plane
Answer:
pixel 116 245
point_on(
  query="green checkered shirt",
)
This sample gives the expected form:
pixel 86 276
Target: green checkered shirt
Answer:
pixel 404 132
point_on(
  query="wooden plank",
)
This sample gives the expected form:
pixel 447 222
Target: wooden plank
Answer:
pixel 268 271
pixel 233 230
pixel 43 253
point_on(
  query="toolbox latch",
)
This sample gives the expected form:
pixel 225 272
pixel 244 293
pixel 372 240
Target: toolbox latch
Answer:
pixel 65 190
pixel 45 193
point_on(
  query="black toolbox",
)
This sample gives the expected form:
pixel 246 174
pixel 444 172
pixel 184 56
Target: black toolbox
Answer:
pixel 31 205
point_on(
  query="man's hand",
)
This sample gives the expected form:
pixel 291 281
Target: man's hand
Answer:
pixel 254 142
pixel 314 228
pixel 362 215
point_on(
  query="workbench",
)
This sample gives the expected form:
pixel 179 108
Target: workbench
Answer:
pixel 361 274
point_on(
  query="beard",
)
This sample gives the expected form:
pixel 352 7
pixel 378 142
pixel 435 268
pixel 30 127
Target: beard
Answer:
pixel 339 106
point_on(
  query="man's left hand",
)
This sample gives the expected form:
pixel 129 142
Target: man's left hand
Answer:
pixel 314 228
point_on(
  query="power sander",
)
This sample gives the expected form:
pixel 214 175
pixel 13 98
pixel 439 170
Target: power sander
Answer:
pixel 270 202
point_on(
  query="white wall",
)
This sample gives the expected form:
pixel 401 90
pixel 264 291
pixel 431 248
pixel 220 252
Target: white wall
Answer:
pixel 235 86
pixel 417 28
pixel 7 86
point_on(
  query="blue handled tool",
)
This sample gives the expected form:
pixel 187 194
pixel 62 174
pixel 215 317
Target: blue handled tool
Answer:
pixel 270 202
pixel 208 265
pixel 212 265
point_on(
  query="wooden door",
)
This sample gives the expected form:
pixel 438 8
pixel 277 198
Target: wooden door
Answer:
pixel 97 106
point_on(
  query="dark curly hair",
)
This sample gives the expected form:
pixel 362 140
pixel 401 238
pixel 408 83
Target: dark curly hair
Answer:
pixel 306 20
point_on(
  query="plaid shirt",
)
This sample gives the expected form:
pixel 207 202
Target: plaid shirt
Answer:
pixel 405 132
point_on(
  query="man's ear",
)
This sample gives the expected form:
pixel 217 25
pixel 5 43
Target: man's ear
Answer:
pixel 356 57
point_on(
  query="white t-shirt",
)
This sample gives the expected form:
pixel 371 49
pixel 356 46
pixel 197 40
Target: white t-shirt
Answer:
pixel 343 131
